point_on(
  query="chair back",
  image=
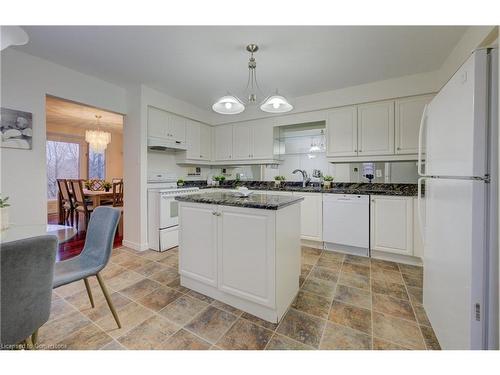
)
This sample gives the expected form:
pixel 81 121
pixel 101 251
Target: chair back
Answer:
pixel 100 235
pixel 27 272
pixel 118 194
pixel 62 184
pixel 77 187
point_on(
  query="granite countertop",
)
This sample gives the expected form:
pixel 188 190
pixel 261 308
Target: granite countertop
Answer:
pixel 404 190
pixel 255 200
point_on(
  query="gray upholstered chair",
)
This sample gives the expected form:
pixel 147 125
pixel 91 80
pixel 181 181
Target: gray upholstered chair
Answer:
pixel 27 271
pixel 94 256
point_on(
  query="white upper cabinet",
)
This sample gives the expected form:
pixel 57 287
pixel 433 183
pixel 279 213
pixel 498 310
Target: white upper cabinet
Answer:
pixel 376 128
pixel 391 224
pixel 193 140
pixel 242 142
pixel 262 140
pixel 407 123
pixel 223 142
pixel 342 131
pixel 205 142
pixel 162 124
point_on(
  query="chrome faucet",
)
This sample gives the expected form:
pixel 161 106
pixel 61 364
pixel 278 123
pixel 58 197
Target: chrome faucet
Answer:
pixel 305 179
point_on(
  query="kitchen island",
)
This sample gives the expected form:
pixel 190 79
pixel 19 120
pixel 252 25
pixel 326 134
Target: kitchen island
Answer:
pixel 241 251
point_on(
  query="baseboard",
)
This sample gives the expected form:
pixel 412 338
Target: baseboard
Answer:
pixel 311 243
pixel 353 250
pixel 135 246
pixel 405 259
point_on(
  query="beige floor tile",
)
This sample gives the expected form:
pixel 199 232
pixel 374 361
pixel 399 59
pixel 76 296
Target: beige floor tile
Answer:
pixel 153 255
pixel 416 295
pixel 410 269
pixel 341 337
pixel 302 327
pixel 244 335
pixel 171 260
pixel 312 304
pixel 200 296
pixel 324 274
pixel 421 315
pixel 279 342
pixel 333 255
pixel 226 307
pixel 111 270
pixel 392 306
pixel 136 263
pixel 356 269
pixel 59 308
pixel 390 276
pixel 412 280
pixel 159 298
pixel 184 340
pixel 354 280
pixel 176 284
pixel 89 337
pixel 351 316
pixel 149 335
pixel 355 259
pixel 113 345
pixel 123 280
pixel 165 276
pixel 56 330
pixel 101 308
pixel 211 324
pixel 323 288
pixel 309 259
pixel 398 331
pixel 378 264
pixel 305 269
pixel 183 309
pixel 130 316
pixel 430 339
pixel 261 322
pixel 332 264
pixel 379 344
pixel 125 259
pixel 70 289
pixel 139 289
pixel 390 289
pixel 149 268
pixel 353 296
pixel 311 250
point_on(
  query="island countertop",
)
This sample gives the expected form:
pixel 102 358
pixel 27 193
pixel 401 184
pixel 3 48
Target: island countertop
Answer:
pixel 255 200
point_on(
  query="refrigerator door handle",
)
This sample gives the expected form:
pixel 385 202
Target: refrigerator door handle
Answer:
pixel 419 208
pixel 420 135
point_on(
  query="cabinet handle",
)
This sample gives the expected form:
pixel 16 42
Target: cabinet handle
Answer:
pixel 399 148
pixel 373 200
pixel 214 213
pixel 360 150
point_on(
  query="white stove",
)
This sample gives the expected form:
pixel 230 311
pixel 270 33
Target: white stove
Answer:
pixel 163 210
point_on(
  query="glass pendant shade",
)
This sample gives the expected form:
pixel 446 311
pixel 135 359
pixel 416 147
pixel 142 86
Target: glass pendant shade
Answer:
pixel 276 104
pixel 12 36
pixel 228 105
pixel 97 140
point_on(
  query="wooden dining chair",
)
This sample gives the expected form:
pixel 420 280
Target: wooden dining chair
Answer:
pixel 118 202
pixel 81 205
pixel 67 204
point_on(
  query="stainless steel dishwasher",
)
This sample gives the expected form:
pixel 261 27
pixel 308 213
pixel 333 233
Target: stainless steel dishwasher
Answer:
pixel 346 223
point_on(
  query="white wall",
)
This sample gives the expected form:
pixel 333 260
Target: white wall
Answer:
pixel 25 80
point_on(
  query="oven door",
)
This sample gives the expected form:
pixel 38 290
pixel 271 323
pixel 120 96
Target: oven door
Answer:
pixel 169 211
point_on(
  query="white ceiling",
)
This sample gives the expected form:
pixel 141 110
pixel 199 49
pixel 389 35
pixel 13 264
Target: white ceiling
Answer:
pixel 198 64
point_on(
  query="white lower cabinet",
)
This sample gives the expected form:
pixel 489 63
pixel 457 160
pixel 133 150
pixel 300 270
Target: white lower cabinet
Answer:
pixel 248 258
pixel 391 224
pixel 311 216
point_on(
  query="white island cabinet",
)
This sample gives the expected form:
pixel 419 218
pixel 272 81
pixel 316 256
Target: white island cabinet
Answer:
pixel 246 257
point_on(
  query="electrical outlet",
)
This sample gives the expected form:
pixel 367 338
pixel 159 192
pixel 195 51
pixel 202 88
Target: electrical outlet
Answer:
pixel 378 173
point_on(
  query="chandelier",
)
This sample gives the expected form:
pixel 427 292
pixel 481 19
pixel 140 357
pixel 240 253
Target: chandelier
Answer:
pixel 98 140
pixel 231 104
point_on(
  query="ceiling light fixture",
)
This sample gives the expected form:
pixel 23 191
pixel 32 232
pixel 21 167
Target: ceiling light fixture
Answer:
pixel 98 140
pixel 12 36
pixel 231 105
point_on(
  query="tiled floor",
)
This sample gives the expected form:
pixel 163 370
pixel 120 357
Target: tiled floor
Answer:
pixel 345 302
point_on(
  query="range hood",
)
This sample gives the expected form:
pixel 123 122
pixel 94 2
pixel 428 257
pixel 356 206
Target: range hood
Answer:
pixel 162 144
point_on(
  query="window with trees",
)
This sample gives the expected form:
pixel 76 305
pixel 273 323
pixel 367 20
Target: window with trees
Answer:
pixel 63 161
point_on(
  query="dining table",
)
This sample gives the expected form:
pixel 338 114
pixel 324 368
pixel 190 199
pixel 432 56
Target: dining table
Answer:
pixel 17 232
pixel 96 196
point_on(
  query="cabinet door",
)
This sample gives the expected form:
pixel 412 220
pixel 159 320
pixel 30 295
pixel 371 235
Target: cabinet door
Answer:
pixel 198 243
pixel 262 140
pixel 205 142
pixel 408 114
pixel 391 224
pixel 342 132
pixel 177 128
pixel 158 122
pixel 376 128
pixel 311 216
pixel 224 142
pixel 242 139
pixel 193 139
pixel 246 249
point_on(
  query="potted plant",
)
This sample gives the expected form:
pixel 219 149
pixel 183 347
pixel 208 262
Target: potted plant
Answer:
pixel 327 182
pixel 180 182
pixel 278 180
pixel 4 213
pixel 219 179
pixel 107 185
pixel 88 184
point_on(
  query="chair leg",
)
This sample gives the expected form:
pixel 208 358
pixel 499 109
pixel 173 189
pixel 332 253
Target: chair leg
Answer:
pixel 108 299
pixel 89 292
pixel 77 218
pixel 34 338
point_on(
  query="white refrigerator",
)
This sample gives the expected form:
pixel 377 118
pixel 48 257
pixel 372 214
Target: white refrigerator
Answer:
pixel 458 167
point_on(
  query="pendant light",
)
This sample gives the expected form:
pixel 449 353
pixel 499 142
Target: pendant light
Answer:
pixel 12 36
pixel 98 140
pixel 231 105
